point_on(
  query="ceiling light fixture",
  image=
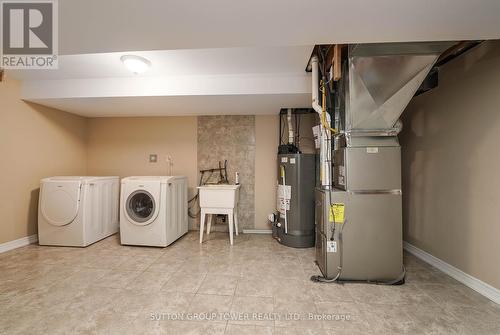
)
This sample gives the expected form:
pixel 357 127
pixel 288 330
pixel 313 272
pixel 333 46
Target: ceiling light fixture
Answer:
pixel 135 64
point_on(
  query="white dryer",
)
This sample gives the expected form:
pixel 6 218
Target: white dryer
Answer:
pixel 153 210
pixel 77 211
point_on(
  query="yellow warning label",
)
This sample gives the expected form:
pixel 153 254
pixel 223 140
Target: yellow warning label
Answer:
pixel 337 213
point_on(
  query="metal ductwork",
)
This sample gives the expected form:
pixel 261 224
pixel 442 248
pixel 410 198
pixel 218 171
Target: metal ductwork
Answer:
pixel 382 79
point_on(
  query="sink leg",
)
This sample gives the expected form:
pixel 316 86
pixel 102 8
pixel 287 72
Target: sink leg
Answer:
pixel 231 223
pixel 209 223
pixel 236 221
pixel 202 225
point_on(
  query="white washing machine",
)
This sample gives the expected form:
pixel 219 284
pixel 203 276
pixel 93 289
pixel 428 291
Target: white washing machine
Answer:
pixel 153 210
pixel 77 211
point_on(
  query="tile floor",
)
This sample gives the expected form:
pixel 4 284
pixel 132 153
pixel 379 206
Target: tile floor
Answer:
pixel 255 287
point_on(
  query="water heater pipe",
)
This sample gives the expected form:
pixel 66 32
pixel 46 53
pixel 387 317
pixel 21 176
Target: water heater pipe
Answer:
pixel 325 133
pixel 290 126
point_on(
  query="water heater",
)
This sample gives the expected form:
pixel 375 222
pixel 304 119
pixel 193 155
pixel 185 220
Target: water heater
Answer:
pixel 295 200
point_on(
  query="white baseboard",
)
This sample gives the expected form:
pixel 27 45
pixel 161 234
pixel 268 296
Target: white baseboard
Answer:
pixel 477 285
pixel 20 242
pixel 257 231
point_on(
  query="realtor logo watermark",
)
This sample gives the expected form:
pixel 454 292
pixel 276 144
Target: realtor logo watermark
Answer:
pixel 29 37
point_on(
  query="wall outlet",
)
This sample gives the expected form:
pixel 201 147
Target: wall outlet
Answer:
pixel 153 158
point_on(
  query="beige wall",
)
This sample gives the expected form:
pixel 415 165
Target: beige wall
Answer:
pixel 266 148
pixel 121 146
pixel 35 142
pixel 451 165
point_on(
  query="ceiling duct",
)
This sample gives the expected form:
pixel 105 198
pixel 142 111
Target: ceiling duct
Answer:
pixel 382 79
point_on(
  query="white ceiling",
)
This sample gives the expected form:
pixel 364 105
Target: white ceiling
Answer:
pixel 178 105
pixel 222 61
pixel 95 26
pixel 257 80
pixel 224 56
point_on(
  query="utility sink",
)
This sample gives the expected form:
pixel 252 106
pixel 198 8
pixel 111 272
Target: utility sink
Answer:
pixel 219 196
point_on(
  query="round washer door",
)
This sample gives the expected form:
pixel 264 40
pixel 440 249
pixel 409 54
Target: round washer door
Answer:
pixel 60 202
pixel 140 207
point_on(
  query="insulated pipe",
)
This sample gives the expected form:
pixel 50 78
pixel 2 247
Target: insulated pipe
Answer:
pixel 325 134
pixel 315 85
pixel 290 126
